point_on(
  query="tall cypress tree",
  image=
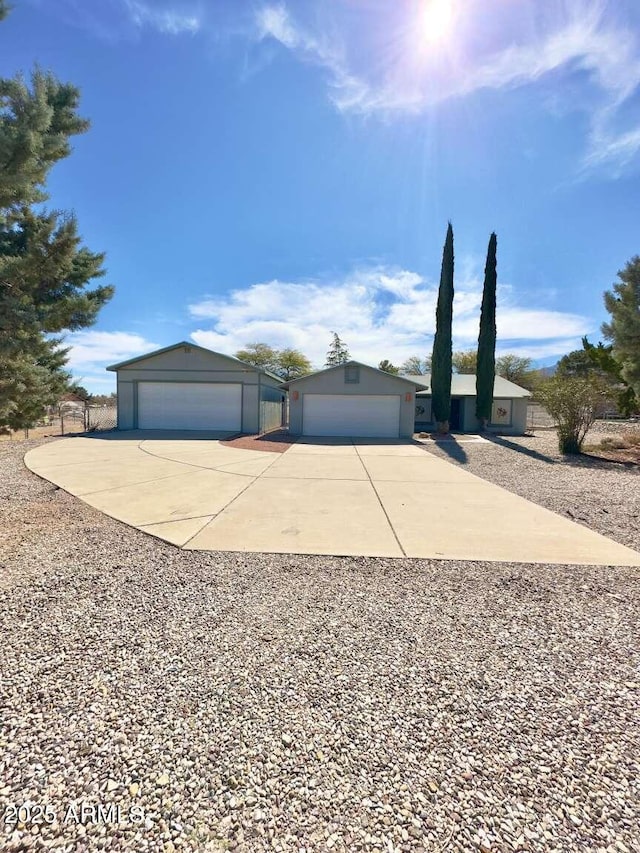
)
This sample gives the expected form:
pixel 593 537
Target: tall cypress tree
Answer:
pixel 441 365
pixel 486 370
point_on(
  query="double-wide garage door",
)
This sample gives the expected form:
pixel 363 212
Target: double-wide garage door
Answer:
pixel 189 405
pixel 368 416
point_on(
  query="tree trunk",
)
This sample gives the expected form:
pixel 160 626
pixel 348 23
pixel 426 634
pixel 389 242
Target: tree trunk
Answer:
pixel 443 427
pixel 484 423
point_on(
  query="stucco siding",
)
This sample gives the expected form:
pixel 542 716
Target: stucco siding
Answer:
pixel 520 408
pixel 188 358
pixel 125 404
pixel 469 423
pixel 270 381
pixel 156 375
pixel 250 408
pixel 371 383
pixel 517 417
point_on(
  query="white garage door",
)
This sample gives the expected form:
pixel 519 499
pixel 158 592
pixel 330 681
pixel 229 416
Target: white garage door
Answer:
pixel 369 416
pixel 189 405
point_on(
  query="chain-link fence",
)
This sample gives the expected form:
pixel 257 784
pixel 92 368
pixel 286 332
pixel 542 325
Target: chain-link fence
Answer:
pixel 538 418
pixel 87 419
pixel 71 420
pixel 606 413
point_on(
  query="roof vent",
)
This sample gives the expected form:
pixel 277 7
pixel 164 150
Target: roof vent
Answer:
pixel 352 374
pixel 187 349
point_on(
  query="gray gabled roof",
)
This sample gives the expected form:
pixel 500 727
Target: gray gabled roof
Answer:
pixel 147 355
pixel 408 380
pixel 464 385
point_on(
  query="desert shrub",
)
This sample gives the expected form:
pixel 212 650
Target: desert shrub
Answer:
pixel 571 402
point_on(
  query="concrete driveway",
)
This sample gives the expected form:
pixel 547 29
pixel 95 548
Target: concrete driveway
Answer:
pixel 366 497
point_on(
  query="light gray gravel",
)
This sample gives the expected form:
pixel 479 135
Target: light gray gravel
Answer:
pixel 270 702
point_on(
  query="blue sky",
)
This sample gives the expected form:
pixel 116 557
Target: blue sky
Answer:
pixel 261 171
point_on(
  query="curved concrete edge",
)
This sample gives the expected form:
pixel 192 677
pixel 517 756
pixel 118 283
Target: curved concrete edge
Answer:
pixel 331 500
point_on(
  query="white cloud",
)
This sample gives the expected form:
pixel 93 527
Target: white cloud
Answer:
pixel 609 149
pixel 379 313
pixel 525 46
pixel 172 21
pixel 92 351
pixel 546 350
pixel 274 21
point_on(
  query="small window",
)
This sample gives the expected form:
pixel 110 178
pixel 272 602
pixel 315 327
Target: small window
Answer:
pixel 352 375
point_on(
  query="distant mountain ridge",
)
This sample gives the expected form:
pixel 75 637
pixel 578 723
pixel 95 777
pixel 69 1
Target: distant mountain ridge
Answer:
pixel 550 370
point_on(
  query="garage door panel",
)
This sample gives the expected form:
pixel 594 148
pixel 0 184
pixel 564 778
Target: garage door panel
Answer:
pixel 368 416
pixel 189 405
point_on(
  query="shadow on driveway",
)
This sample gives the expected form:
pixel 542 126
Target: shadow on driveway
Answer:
pixel 155 435
pixel 449 445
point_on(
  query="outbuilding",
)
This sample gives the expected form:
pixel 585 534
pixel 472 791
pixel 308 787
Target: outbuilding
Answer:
pixel 188 387
pixel 352 399
pixel 508 413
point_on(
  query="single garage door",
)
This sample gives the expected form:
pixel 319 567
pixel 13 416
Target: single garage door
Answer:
pixel 369 416
pixel 189 405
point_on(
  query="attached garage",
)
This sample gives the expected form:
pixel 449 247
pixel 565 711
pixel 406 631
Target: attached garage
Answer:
pixel 366 415
pixel 188 387
pixel 193 405
pixel 352 400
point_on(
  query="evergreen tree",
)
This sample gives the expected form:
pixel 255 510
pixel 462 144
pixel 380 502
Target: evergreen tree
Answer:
pixel 338 352
pixel 486 367
pixel 442 344
pixel 575 364
pixel 44 269
pixel 623 330
pixel 388 367
pixel 602 359
pixel 32 382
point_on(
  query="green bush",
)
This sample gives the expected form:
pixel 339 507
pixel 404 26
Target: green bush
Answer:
pixel 571 402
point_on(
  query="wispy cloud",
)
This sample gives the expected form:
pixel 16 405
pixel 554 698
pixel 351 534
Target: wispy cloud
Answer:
pixel 524 47
pixel 169 20
pixel 379 312
pixel 114 20
pixel 92 351
pixel 274 21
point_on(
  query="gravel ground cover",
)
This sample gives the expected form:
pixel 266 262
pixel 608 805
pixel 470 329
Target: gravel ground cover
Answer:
pixel 604 496
pixel 273 702
pixel 613 428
